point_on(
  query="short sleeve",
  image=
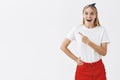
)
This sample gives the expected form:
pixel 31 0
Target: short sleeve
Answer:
pixel 71 35
pixel 105 37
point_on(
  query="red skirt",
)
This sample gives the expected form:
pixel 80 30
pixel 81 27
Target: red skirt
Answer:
pixel 91 71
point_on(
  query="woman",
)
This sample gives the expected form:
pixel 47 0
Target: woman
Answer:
pixel 92 40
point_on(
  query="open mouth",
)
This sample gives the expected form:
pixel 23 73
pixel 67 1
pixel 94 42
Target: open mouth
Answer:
pixel 89 20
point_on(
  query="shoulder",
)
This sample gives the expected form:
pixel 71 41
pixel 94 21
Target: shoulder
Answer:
pixel 102 28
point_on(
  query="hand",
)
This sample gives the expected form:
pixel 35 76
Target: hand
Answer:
pixel 84 38
pixel 79 62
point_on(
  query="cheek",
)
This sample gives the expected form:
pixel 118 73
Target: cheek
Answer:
pixel 94 16
pixel 84 16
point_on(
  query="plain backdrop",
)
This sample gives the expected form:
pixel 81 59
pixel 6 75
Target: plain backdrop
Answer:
pixel 31 32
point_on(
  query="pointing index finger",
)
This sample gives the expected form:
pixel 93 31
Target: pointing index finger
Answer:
pixel 81 34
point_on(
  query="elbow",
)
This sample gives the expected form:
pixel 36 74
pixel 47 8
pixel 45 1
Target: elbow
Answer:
pixel 104 53
pixel 63 47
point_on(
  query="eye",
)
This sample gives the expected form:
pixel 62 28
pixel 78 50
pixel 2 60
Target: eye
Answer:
pixel 86 13
pixel 92 13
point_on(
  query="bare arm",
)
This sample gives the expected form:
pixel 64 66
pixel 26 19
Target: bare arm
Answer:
pixel 64 48
pixel 102 49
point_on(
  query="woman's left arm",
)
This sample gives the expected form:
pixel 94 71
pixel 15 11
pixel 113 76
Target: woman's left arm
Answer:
pixel 102 49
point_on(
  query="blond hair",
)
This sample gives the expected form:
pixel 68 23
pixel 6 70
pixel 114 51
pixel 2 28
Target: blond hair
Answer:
pixel 96 22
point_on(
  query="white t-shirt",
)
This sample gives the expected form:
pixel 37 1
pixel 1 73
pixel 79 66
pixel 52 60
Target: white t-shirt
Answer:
pixel 97 35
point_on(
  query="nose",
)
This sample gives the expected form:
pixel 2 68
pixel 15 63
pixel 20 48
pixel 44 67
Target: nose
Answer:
pixel 89 16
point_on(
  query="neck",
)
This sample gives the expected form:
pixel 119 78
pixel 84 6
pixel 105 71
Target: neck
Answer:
pixel 89 25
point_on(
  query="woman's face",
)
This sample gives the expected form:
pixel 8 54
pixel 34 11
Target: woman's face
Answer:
pixel 89 15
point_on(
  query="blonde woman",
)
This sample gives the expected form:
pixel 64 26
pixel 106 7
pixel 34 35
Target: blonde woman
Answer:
pixel 93 40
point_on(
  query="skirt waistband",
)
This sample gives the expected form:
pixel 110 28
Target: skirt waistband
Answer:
pixel 94 63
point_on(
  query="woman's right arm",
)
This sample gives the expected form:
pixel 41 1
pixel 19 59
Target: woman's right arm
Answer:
pixel 64 48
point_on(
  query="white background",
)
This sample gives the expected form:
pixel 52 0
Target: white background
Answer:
pixel 31 32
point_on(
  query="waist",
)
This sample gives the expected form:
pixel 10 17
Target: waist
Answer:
pixel 93 63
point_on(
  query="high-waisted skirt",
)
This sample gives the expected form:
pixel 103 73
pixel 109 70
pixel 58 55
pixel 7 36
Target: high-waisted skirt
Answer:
pixel 91 71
